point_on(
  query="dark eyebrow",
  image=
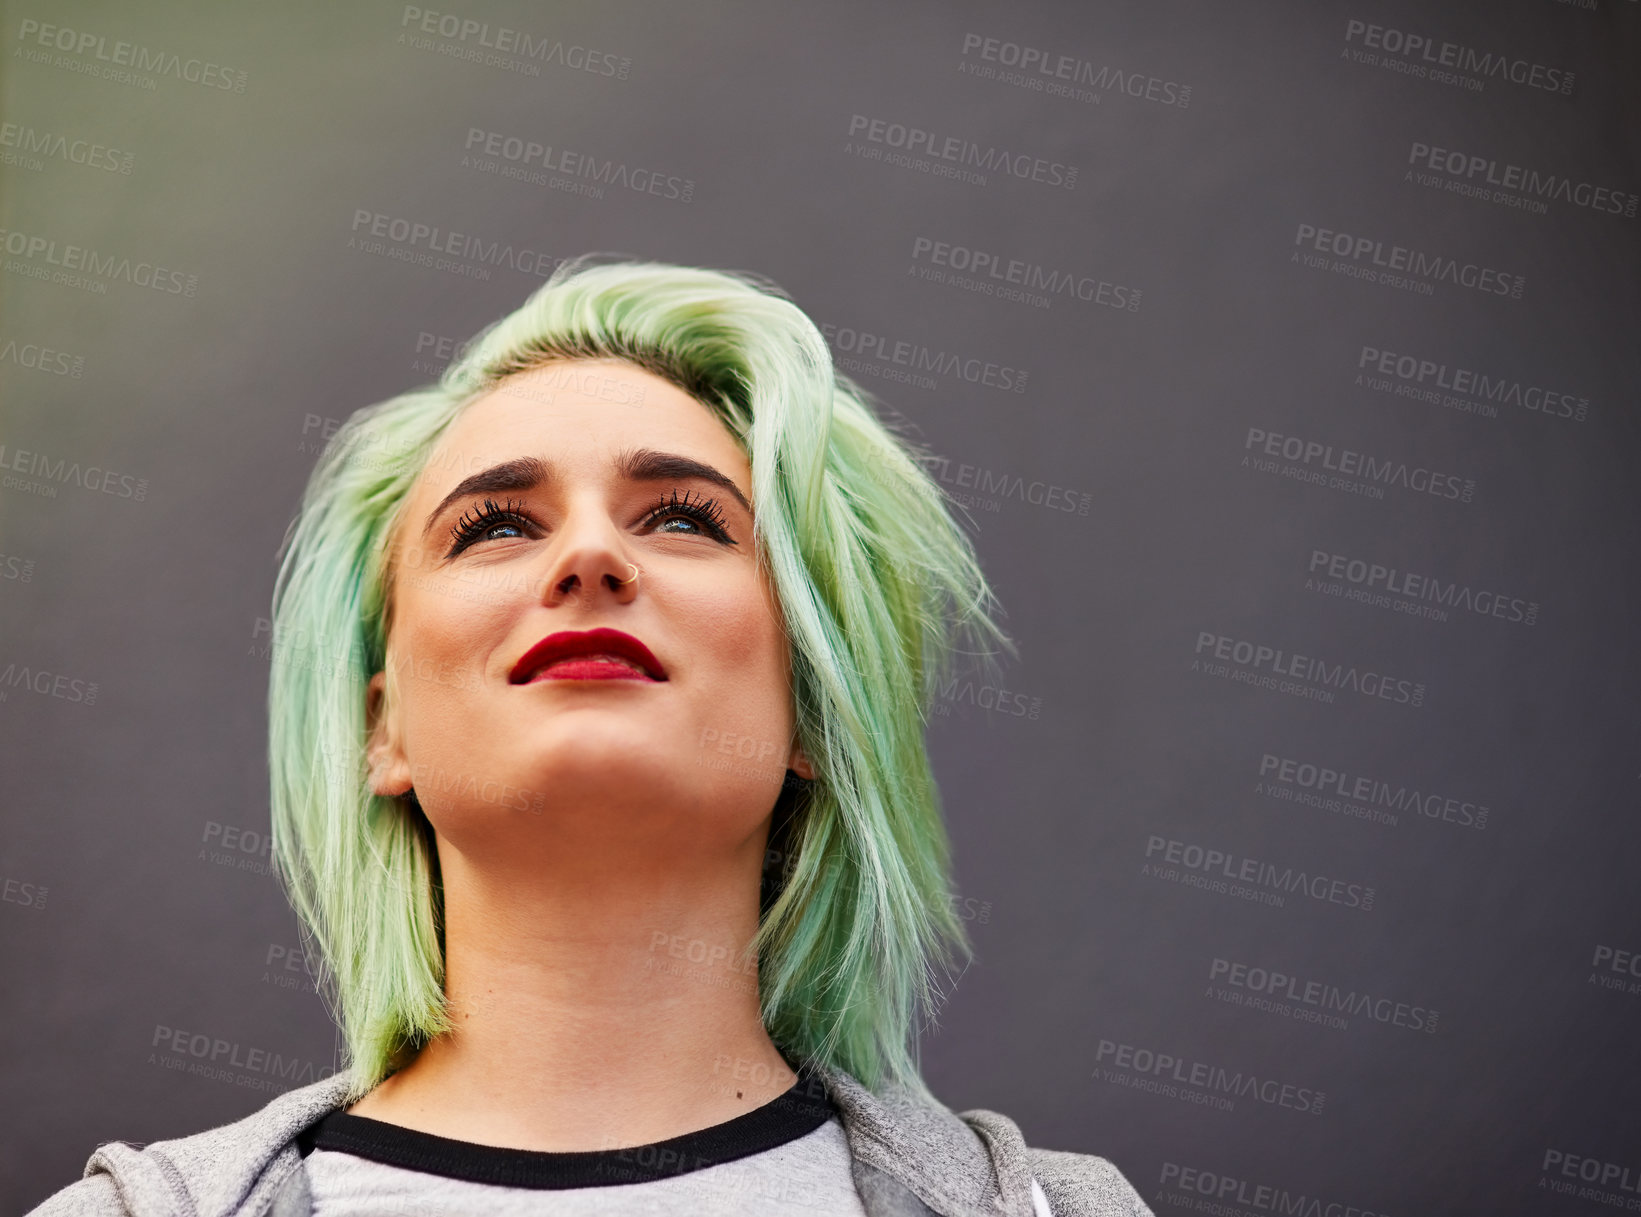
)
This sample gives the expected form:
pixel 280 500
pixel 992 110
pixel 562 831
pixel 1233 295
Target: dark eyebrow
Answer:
pixel 523 473
pixel 635 464
pixel 648 465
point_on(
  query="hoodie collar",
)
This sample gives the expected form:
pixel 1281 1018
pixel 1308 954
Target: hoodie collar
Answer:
pixel 222 1172
pixel 968 1165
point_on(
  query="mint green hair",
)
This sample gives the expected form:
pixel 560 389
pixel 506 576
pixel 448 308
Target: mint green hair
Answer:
pixel 880 590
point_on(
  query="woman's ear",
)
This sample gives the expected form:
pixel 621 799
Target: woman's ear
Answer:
pixel 799 763
pixel 389 769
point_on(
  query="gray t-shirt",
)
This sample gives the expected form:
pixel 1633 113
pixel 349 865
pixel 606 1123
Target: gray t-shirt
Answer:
pixel 788 1158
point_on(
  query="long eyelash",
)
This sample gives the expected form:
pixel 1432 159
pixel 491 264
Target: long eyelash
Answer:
pixel 468 528
pixel 473 523
pixel 705 512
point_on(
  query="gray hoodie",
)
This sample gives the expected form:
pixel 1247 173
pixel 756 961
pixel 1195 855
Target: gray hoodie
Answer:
pixel 911 1158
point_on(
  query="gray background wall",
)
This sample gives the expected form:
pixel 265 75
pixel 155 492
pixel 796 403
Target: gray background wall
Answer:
pixel 156 439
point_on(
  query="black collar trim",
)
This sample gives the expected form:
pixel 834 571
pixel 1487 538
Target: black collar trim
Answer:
pixel 799 1111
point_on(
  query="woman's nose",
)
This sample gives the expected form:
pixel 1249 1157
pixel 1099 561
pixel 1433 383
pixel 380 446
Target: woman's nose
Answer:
pixel 589 558
pixel 624 589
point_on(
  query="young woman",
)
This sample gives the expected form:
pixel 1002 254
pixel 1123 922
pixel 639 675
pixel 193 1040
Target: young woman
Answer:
pixel 597 715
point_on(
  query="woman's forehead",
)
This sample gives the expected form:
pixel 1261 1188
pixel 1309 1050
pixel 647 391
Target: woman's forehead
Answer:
pixel 582 410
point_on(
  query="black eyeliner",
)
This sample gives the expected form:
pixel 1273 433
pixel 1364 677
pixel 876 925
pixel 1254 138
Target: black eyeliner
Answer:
pixel 469 527
pixel 465 531
pixel 705 512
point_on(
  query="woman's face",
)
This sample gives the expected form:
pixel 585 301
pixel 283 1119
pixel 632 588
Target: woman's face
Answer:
pixel 528 522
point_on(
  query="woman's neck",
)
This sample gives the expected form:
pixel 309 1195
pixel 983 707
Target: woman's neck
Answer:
pixel 594 1008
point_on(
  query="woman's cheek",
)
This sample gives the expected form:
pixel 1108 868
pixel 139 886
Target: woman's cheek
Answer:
pixel 441 670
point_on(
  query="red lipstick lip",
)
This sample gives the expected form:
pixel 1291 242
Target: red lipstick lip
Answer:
pixel 567 644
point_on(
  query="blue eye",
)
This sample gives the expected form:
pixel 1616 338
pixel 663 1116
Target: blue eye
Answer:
pixel 488 519
pixel 704 513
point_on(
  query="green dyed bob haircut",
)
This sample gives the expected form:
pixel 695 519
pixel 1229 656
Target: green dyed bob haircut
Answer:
pixel 880 590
